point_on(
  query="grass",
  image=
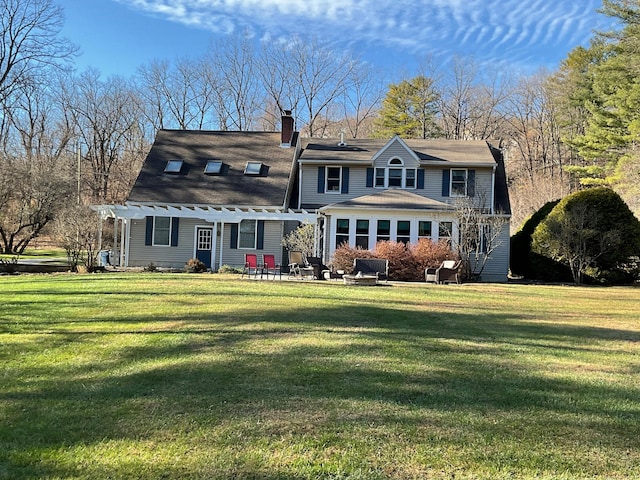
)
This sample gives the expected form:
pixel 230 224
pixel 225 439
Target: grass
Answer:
pixel 206 376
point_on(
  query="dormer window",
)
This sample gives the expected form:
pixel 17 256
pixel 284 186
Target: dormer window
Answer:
pixel 173 166
pixel 395 175
pixel 253 168
pixel 213 167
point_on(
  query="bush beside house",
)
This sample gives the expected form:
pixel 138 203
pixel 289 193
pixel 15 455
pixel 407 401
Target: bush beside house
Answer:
pixel 406 262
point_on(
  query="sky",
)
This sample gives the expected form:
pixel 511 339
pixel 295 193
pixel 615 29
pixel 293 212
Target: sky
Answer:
pixel 118 36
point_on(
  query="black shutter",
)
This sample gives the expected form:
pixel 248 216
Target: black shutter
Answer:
pixel 234 236
pixel 370 177
pixel 148 234
pixel 420 184
pixel 175 224
pixel 260 235
pixel 320 179
pixel 446 181
pixel 345 180
pixel 471 183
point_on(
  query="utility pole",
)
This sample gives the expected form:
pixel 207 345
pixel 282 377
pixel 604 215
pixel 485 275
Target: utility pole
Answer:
pixel 78 172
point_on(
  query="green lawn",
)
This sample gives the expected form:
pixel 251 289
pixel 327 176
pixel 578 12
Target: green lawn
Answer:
pixel 153 376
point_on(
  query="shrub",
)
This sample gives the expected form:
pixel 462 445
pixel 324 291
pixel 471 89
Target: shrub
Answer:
pixel 344 255
pixel 151 267
pixel 593 232
pixel 406 263
pixel 431 254
pixel 520 261
pixel 229 269
pixel 195 266
pixel 402 263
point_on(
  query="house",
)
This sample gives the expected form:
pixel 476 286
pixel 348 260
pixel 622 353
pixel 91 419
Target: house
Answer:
pixel 218 195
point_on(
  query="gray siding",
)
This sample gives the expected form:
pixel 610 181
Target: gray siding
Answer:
pixel 358 186
pixel 272 245
pixel 396 150
pixel 141 255
pixel 497 266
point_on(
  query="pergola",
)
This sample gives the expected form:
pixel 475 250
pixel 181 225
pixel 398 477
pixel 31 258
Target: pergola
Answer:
pixel 122 214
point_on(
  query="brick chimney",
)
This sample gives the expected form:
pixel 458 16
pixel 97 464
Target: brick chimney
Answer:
pixel 287 128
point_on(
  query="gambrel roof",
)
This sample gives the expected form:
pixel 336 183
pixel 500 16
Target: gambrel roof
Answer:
pixel 192 186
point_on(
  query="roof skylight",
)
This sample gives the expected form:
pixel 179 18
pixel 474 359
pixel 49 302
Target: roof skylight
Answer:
pixel 253 168
pixel 213 167
pixel 173 166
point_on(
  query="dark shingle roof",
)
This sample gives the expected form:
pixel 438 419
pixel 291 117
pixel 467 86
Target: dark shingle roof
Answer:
pixel 363 150
pixel 232 187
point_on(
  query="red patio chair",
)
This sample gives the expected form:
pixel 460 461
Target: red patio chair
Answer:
pixel 250 263
pixel 269 265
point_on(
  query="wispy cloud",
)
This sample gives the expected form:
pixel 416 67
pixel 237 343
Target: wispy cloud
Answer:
pixel 510 30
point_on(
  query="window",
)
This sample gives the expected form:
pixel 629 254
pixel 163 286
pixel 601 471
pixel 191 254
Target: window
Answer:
pixel 384 230
pixel 410 178
pixel 395 175
pixel 247 234
pixel 403 232
pixel 424 229
pixel 253 168
pixel 213 167
pixel 161 230
pixel 205 236
pixel 445 230
pixel 362 234
pixel 334 180
pixel 173 166
pixel 342 231
pixel 458 183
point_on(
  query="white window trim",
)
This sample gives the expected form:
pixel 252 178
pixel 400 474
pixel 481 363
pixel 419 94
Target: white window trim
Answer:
pixel 393 229
pixel 326 181
pixel 466 183
pixel 153 233
pixel 396 166
pixel 255 235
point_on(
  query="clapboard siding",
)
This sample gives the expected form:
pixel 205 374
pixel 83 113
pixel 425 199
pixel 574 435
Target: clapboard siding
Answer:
pixel 358 186
pixel 497 266
pixel 396 150
pixel 272 245
pixel 141 255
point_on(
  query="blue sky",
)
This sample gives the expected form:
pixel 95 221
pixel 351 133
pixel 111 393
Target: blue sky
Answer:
pixel 117 36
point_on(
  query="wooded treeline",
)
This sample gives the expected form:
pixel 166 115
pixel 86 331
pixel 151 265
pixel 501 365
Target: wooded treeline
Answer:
pixel 69 137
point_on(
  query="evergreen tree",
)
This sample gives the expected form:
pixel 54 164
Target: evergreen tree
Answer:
pixel 409 110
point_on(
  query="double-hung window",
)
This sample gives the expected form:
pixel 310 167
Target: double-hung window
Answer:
pixel 333 180
pixel 362 234
pixel 424 229
pixel 395 175
pixel 445 230
pixel 161 230
pixel 403 231
pixel 459 182
pixel 384 230
pixel 247 234
pixel 342 231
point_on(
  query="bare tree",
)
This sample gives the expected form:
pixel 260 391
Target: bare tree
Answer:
pixel 362 98
pixel 29 41
pixel 235 64
pixel 471 103
pixel 306 78
pixel 106 119
pixel 480 234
